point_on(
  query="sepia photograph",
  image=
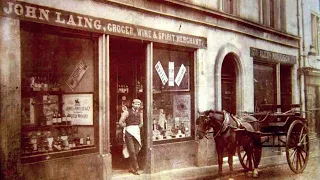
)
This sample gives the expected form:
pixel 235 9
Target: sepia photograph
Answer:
pixel 159 89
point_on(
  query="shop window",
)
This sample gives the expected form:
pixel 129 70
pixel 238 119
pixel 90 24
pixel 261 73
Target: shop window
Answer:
pixel 172 94
pixel 264 85
pixel 59 115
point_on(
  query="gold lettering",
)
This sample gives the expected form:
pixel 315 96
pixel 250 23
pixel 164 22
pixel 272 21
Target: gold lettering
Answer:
pixel 87 22
pixel 8 9
pixel 18 9
pixel 109 27
pixel 71 21
pixel 97 24
pixel 59 20
pixel 80 21
pixel 31 12
pixel 44 14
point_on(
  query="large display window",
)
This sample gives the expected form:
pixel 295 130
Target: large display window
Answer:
pixel 172 93
pixel 264 85
pixel 59 92
pixel 266 89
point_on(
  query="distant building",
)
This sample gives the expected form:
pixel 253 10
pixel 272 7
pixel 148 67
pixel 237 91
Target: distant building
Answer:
pixel 310 48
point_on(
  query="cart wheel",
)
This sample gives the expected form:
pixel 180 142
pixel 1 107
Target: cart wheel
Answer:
pixel 297 146
pixel 243 158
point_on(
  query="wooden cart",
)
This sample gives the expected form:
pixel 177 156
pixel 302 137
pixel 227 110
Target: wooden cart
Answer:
pixel 282 126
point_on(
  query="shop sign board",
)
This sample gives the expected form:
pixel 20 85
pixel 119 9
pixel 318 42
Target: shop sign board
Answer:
pixel 79 107
pixel 45 15
pixel 272 57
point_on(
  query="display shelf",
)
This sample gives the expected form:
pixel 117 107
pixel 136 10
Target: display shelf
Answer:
pixel 27 128
pixel 46 103
pixel 43 156
pixel 36 153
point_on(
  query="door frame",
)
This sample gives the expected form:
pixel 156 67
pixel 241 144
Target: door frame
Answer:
pixel 239 72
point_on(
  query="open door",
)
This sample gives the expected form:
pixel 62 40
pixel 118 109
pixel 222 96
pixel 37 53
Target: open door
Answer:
pixel 228 84
pixel 127 82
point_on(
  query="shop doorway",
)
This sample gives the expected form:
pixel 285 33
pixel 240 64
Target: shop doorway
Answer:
pixel 228 84
pixel 312 105
pixel 127 82
pixel 285 87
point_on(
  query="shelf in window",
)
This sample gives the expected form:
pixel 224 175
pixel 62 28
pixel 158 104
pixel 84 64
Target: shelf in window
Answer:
pixel 36 156
pixel 46 103
pixel 37 90
pixel 44 127
pixel 57 126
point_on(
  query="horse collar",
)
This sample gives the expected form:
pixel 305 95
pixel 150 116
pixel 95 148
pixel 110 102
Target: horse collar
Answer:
pixel 224 125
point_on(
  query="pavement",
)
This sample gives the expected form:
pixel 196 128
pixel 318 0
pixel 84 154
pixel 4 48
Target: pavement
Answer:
pixel 270 157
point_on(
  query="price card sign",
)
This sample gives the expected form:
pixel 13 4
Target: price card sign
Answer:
pixel 79 107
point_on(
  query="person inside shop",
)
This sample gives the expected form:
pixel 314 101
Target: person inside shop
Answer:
pixel 132 120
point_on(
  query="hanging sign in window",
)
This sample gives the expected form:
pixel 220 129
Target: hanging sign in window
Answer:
pixel 171 73
pixel 76 75
pixel 180 74
pixel 161 73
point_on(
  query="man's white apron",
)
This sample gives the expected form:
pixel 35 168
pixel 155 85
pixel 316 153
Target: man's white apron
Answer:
pixel 134 130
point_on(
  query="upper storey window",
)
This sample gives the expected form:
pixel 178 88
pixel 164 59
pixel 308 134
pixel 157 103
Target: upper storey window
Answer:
pixel 272 13
pixel 229 6
pixel 315 29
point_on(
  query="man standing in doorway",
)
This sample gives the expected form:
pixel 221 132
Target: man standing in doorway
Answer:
pixel 132 120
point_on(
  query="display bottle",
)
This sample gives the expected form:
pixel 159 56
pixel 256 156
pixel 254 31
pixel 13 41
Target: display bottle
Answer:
pixel 64 119
pixel 59 119
pixel 54 119
pixel 81 141
pixel 69 119
pixel 36 83
pixel 88 141
pixel 42 83
pixel 45 84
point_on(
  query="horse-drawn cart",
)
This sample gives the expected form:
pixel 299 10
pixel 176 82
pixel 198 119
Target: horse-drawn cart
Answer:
pixel 281 129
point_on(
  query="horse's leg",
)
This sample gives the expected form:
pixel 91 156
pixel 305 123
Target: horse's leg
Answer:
pixel 257 155
pixel 219 149
pixel 220 160
pixel 249 158
pixel 230 161
pixel 250 153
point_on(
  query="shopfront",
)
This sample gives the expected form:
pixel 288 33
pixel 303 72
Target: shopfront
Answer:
pixel 68 68
pixel 78 71
pixel 273 81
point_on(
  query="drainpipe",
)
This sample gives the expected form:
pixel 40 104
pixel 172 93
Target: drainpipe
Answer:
pixel 302 60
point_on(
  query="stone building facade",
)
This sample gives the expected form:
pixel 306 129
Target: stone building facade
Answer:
pixel 68 67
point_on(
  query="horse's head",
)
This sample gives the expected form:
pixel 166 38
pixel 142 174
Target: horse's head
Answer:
pixel 203 128
pixel 207 120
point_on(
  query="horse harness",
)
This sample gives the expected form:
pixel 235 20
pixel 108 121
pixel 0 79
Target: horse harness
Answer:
pixel 227 124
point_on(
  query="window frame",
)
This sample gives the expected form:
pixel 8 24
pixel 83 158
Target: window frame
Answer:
pixel 47 156
pixel 190 91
